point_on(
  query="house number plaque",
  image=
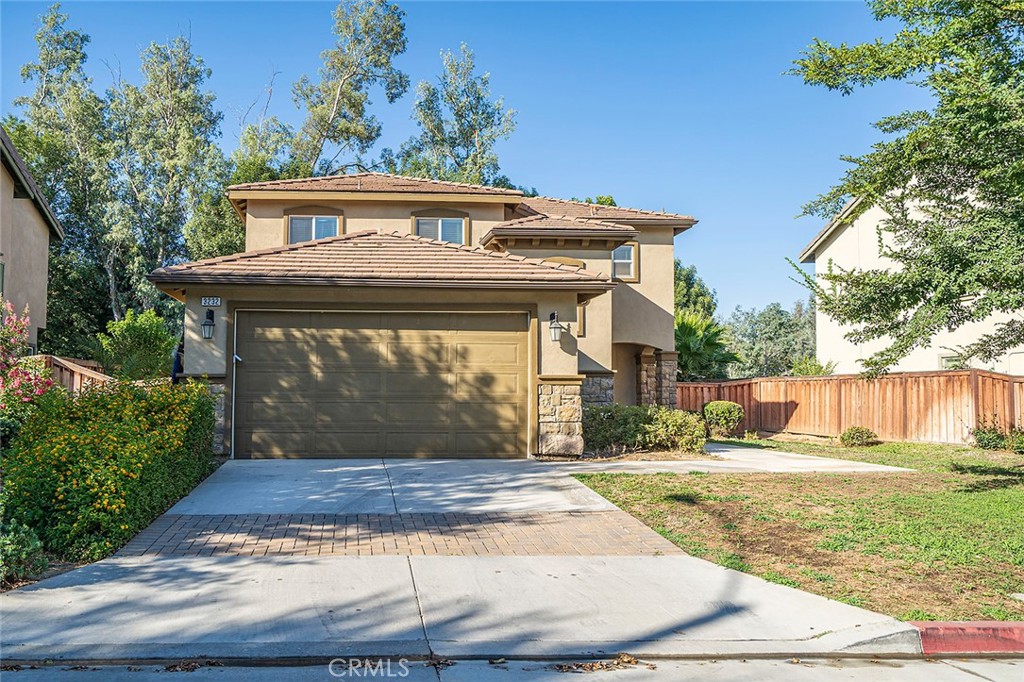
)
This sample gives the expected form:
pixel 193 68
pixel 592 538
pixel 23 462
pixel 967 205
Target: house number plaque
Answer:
pixel 210 301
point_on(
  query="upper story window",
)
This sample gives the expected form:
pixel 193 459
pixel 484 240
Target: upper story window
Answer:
pixel 626 262
pixel 443 229
pixel 304 228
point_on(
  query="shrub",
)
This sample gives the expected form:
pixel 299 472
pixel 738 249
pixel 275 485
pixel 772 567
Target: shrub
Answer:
pixel 723 417
pixel 1015 440
pixel 136 347
pixel 857 437
pixel 624 428
pixel 22 379
pixel 671 429
pixel 87 472
pixel 21 552
pixel 810 366
pixel 988 435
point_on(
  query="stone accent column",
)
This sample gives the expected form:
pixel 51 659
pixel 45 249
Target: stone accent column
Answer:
pixel 646 377
pixel 666 362
pixel 599 388
pixel 219 410
pixel 560 416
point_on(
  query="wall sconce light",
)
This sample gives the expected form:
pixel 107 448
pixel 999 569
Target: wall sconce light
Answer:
pixel 207 325
pixel 556 328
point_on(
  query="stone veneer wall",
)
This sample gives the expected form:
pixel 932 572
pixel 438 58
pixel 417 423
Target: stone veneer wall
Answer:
pixel 219 410
pixel 666 370
pixel 599 389
pixel 560 416
pixel 646 378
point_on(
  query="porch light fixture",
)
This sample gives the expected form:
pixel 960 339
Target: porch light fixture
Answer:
pixel 207 325
pixel 556 328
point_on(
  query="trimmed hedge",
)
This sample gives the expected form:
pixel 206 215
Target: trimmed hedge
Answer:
pixel 88 472
pixel 625 428
pixel 723 417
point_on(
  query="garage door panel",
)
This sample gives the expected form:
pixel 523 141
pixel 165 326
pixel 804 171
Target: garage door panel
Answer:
pixel 349 384
pixel 348 444
pixel 349 353
pixel 487 354
pixel 381 384
pixel 487 385
pixel 340 415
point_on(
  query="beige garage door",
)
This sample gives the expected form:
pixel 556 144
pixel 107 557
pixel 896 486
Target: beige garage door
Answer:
pixel 376 384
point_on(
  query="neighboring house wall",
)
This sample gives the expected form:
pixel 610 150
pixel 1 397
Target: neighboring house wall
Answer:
pixel 856 246
pixel 24 252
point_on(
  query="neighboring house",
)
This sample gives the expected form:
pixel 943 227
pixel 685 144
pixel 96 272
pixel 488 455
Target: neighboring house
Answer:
pixel 852 244
pixel 378 315
pixel 27 225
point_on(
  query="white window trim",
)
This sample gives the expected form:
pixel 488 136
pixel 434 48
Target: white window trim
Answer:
pixel 313 216
pixel 439 219
pixel 634 275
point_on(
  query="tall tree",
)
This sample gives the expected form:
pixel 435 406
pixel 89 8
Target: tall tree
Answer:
pixel 702 345
pixel 369 35
pixel 691 293
pixel 770 340
pixel 162 134
pixel 950 178
pixel 459 126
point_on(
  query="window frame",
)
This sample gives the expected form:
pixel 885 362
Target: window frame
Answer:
pixel 634 275
pixel 312 216
pixel 440 227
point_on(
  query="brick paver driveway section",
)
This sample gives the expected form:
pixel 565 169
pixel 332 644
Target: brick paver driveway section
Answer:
pixel 602 533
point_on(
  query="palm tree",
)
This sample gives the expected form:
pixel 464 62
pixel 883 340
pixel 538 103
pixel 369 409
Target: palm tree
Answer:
pixel 702 347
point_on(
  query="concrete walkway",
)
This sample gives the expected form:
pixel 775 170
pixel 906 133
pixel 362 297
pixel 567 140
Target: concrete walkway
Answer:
pixel 532 597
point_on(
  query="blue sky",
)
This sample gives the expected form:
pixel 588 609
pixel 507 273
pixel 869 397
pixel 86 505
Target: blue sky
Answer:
pixel 677 106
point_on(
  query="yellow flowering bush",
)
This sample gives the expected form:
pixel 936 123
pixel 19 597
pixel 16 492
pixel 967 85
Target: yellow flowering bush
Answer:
pixel 88 472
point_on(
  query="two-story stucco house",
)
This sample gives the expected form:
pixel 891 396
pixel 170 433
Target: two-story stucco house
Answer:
pixel 853 244
pixel 27 225
pixel 378 315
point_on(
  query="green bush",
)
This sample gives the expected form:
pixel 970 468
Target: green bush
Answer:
pixel 857 437
pixel 1015 440
pixel 723 417
pixel 87 472
pixel 624 428
pixel 136 347
pixel 671 429
pixel 21 552
pixel 988 435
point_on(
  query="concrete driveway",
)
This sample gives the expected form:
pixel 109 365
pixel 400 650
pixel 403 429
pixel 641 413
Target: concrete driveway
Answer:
pixel 320 559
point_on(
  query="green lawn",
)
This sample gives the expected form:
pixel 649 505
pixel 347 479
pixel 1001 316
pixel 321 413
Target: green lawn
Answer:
pixel 945 542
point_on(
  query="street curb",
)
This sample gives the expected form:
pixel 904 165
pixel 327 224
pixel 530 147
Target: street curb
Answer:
pixel 971 637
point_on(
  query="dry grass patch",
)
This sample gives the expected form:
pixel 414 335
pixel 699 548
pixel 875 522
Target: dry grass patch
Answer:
pixel 937 545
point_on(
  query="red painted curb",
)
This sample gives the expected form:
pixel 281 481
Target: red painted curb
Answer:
pixel 971 637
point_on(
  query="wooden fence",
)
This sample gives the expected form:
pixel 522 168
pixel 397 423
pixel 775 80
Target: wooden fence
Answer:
pixel 74 375
pixel 927 407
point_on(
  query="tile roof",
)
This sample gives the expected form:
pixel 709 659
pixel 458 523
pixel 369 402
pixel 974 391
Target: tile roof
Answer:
pixel 579 209
pixel 371 258
pixel 559 226
pixel 376 182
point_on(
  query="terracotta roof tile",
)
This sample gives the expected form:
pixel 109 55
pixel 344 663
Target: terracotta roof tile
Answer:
pixel 372 258
pixel 376 182
pixel 565 207
pixel 563 222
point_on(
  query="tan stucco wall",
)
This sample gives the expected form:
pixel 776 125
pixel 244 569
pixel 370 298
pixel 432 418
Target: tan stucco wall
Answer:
pixel 595 348
pixel 644 309
pixel 856 246
pixel 24 250
pixel 265 226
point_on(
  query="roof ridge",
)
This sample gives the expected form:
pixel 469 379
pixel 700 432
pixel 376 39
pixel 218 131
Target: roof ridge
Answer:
pixel 594 206
pixel 574 219
pixel 432 181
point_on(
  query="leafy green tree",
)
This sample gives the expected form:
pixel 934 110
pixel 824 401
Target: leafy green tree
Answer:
pixel 950 178
pixel 810 366
pixel 691 293
pixel 136 347
pixel 770 340
pixel 702 347
pixel 75 312
pixel 369 35
pixel 459 126
pixel 600 200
